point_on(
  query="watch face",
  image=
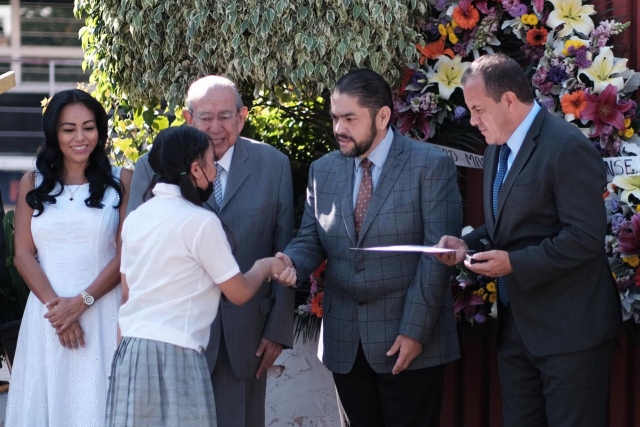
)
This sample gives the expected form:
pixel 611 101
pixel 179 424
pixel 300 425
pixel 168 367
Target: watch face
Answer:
pixel 88 299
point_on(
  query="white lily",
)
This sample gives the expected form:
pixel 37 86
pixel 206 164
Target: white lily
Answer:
pixel 447 73
pixel 573 14
pixel 630 184
pixel 602 69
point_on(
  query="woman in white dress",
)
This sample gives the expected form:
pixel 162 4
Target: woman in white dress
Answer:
pixel 67 227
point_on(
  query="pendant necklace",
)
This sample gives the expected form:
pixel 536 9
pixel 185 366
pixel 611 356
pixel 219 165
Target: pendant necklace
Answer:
pixel 73 193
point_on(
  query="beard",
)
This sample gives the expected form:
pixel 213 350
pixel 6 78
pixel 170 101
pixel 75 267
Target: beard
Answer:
pixel 359 147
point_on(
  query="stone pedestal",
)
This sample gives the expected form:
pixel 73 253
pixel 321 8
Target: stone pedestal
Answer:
pixel 300 390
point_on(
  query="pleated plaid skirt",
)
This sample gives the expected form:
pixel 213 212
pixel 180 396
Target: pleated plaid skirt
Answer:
pixel 155 384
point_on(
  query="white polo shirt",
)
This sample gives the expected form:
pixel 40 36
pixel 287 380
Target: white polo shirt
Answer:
pixel 173 254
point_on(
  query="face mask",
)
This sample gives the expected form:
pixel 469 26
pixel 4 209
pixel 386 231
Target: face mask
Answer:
pixel 206 193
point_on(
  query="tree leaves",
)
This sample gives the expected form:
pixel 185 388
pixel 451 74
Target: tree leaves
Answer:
pixel 138 49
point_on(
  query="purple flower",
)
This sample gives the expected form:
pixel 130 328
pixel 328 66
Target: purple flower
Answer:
pixel 480 318
pixel 546 88
pixel 440 4
pixel 509 4
pixel 519 10
pixel 624 283
pixel 549 102
pixel 416 77
pixel 581 58
pixel 607 131
pixel 628 243
pixel 459 112
pixel 532 53
pixel 539 77
pixel 616 219
pixel 557 75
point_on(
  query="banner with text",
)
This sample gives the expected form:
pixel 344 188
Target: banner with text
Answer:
pixel 462 158
pixel 614 165
pixel 622 166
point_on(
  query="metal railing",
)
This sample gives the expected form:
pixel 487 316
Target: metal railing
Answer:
pixel 45 75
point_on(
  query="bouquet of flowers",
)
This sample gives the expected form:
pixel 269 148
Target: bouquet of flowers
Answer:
pixel 474 296
pixel 623 241
pixel 574 73
pixel 309 314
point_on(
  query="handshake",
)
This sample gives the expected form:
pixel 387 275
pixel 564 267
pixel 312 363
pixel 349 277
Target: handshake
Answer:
pixel 281 268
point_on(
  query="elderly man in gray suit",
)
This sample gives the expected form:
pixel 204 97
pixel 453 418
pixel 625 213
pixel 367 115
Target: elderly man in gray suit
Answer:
pixel 253 197
pixel 388 325
pixel 559 309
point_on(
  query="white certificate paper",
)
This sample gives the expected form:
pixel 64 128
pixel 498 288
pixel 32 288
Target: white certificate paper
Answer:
pixel 411 248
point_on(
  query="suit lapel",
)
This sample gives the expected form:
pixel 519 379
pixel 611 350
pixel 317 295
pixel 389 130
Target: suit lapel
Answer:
pixel 238 173
pixel 391 169
pixel 521 159
pixel 344 175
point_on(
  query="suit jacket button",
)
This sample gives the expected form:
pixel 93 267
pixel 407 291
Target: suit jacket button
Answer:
pixel 360 303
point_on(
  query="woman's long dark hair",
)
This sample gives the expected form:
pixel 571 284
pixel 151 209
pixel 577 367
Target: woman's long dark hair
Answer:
pixel 50 160
pixel 173 152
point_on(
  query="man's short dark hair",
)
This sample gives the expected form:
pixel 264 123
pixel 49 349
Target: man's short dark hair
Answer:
pixel 370 89
pixel 500 74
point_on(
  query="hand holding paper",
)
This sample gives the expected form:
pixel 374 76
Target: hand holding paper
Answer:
pixel 450 257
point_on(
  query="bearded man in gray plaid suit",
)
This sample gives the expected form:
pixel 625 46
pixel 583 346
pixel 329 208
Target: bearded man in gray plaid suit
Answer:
pixel 388 325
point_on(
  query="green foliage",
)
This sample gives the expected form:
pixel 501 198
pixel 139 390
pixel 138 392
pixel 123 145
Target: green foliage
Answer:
pixel 299 128
pixel 13 289
pixel 143 51
pixel 133 131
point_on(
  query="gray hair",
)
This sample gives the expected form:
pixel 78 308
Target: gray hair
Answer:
pixel 201 87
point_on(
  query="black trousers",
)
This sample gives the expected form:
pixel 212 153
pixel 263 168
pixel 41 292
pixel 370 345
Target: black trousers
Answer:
pixel 564 390
pixel 410 399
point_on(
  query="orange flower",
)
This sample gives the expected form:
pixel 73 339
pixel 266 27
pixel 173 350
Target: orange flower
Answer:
pixel 433 50
pixel 537 36
pixel 316 305
pixel 320 270
pixel 573 103
pixel 466 16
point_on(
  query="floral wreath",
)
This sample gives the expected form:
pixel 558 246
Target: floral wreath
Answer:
pixel 575 74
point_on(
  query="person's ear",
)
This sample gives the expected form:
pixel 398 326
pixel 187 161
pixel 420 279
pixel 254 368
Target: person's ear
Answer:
pixel 188 117
pixel 195 170
pixel 243 113
pixel 383 117
pixel 510 99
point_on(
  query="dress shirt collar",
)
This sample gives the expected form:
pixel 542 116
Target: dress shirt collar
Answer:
pixel 165 190
pixel 517 137
pixel 379 154
pixel 225 161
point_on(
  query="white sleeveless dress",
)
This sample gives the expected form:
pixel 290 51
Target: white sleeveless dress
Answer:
pixel 52 386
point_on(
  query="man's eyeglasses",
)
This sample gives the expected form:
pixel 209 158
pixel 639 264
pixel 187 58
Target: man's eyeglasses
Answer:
pixel 224 118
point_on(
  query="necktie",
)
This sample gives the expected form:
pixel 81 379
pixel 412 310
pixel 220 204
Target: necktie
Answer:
pixel 497 185
pixel 364 194
pixel 217 184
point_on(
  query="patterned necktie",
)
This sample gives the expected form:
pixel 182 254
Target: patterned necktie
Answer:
pixel 364 194
pixel 217 184
pixel 497 185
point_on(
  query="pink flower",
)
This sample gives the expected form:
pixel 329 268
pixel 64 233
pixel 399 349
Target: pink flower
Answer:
pixel 418 121
pixel 629 236
pixel 604 109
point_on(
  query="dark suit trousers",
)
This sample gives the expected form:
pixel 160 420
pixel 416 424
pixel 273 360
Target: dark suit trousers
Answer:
pixel 239 403
pixel 410 399
pixel 565 390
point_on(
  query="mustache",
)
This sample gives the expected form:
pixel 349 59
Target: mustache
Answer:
pixel 343 136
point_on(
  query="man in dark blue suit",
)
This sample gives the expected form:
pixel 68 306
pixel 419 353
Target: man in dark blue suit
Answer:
pixel 559 309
